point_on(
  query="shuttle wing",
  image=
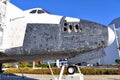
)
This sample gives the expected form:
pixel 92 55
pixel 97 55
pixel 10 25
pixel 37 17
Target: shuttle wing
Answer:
pixel 88 56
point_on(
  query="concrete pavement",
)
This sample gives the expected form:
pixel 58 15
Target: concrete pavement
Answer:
pixel 49 77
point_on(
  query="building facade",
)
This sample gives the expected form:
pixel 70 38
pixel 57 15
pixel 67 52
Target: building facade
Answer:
pixel 113 51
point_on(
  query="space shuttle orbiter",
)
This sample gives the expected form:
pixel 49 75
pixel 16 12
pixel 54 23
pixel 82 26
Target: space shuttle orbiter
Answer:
pixel 36 34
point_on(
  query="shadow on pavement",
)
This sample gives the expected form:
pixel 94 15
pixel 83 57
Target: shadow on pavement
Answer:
pixel 14 77
pixel 113 79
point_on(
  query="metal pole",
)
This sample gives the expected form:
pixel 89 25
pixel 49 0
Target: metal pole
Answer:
pixel 78 69
pixel 61 72
pixel 21 72
pixel 33 64
pixel 51 71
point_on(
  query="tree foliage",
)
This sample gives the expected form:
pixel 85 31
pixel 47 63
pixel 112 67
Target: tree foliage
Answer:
pixel 117 61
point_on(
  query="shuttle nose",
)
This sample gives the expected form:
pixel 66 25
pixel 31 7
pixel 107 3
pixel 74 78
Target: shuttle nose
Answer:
pixel 111 36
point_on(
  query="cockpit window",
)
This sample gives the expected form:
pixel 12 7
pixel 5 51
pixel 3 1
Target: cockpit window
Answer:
pixel 33 11
pixel 40 11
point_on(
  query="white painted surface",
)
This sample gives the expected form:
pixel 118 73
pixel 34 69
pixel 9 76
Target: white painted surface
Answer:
pixel 2 8
pixel 69 19
pixel 76 76
pixel 15 29
pixel 111 36
pixel 43 18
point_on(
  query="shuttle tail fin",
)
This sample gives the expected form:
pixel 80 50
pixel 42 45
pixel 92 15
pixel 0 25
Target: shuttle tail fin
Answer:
pixel 12 15
pixel 8 11
pixel 12 11
pixel 2 20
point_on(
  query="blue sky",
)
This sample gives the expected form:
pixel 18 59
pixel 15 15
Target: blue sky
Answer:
pixel 101 11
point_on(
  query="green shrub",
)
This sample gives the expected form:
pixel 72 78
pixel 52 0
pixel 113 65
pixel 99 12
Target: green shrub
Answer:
pixel 25 64
pixel 16 70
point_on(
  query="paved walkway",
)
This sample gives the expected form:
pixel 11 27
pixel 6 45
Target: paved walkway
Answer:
pixel 102 77
pixel 49 77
